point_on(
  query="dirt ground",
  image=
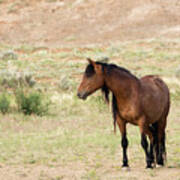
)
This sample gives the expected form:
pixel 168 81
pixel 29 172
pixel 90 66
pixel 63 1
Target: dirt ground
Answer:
pixel 79 23
pixel 83 22
pixel 57 173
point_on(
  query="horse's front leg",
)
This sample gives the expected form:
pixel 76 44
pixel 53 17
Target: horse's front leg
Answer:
pixel 124 144
pixel 124 141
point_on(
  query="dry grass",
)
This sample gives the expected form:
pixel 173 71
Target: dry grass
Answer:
pixel 76 140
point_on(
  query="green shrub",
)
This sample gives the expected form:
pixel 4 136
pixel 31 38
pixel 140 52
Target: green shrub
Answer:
pixel 4 103
pixel 32 103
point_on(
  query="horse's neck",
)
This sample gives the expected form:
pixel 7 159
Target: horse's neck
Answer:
pixel 121 84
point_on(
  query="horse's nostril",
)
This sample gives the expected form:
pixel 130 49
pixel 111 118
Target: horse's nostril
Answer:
pixel 82 95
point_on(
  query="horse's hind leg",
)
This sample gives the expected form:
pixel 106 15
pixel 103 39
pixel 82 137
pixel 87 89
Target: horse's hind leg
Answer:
pixel 153 143
pixel 155 147
pixel 163 147
pixel 162 135
pixel 161 154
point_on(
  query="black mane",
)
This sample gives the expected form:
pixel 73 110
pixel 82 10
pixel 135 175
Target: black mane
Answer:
pixel 110 67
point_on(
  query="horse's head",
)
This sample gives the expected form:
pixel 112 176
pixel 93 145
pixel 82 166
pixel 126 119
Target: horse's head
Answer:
pixel 93 79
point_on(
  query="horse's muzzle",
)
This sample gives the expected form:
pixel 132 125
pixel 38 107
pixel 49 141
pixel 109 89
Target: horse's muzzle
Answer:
pixel 82 95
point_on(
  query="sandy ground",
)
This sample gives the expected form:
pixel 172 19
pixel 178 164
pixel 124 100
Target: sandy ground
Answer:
pixel 76 172
pixel 83 22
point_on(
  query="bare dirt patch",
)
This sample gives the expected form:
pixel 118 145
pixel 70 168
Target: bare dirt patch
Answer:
pixel 78 171
pixel 80 22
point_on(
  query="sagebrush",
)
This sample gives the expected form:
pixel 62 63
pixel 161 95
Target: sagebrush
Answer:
pixel 4 103
pixel 32 103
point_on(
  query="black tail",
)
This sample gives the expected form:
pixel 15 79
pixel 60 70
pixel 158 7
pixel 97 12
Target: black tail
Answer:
pixel 159 147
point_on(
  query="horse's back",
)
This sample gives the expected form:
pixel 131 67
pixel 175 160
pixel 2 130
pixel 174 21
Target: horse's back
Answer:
pixel 155 97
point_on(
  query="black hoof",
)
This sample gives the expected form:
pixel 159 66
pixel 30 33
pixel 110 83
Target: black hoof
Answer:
pixel 125 165
pixel 160 164
pixel 152 161
pixel 149 167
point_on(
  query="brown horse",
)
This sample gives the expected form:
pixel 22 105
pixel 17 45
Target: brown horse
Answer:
pixel 144 102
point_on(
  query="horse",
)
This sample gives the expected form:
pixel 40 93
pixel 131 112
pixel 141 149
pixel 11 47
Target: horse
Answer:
pixel 144 102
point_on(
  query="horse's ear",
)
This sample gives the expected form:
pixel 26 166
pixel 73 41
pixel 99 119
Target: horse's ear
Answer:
pixel 91 61
pixel 97 67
